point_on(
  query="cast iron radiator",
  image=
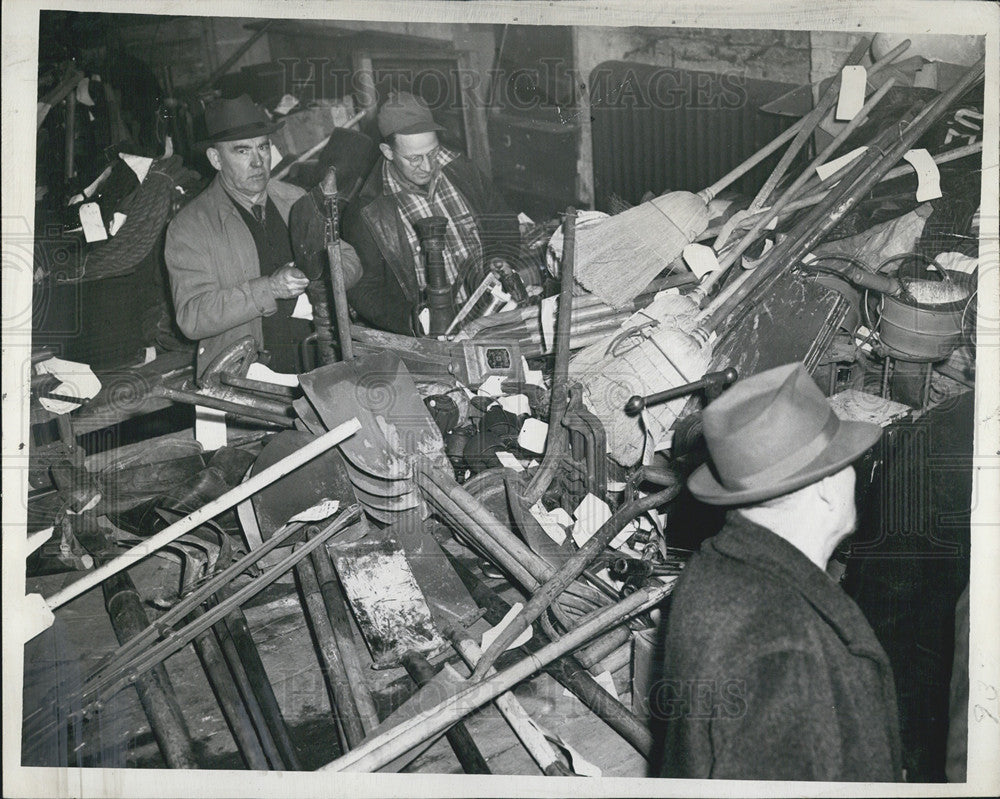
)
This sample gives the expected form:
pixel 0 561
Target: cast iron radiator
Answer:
pixel 660 129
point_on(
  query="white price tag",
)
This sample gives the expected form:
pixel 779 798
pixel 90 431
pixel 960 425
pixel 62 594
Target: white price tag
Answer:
pixel 700 259
pixel 928 176
pixel 93 223
pixel 853 82
pixel 491 634
pixel 303 308
pixel 825 170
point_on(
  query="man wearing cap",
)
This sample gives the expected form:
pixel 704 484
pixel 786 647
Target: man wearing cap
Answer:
pixel 228 252
pixel 417 178
pixel 771 671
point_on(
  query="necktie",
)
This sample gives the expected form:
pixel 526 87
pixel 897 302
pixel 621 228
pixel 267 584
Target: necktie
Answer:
pixel 258 213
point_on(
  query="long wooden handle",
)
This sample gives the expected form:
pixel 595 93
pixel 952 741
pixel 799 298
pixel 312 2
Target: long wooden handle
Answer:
pixel 708 194
pixel 530 736
pixel 203 514
pixel 317 147
pixel 390 744
pixel 819 196
pixel 733 255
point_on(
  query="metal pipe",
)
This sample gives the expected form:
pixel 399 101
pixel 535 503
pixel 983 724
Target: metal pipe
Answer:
pixel 230 702
pixel 340 619
pixel 236 408
pixel 344 710
pixel 155 690
pixel 249 698
pixel 239 631
pixel 556 436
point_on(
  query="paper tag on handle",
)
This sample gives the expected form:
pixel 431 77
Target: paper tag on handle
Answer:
pixel 548 320
pixel 700 259
pixel 93 222
pixel 853 82
pixel 303 308
pixel 928 176
pixel 493 633
pixel 209 427
pixel 323 509
pixel 825 170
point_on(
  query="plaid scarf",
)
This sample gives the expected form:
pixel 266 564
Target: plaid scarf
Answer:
pixel 462 239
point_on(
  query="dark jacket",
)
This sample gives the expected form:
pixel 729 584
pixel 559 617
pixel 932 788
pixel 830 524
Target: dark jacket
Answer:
pixel 387 293
pixel 771 671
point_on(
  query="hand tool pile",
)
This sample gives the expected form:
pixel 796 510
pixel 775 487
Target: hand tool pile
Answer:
pixel 441 493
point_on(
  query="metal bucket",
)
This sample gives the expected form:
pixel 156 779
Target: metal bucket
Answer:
pixel 914 332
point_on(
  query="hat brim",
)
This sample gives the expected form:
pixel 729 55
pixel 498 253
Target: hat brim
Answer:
pixel 851 440
pixel 418 127
pixel 244 132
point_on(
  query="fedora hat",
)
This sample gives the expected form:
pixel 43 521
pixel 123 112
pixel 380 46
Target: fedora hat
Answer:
pixel 771 434
pixel 232 120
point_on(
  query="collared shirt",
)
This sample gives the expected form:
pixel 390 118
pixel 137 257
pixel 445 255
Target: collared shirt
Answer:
pixel 247 204
pixel 462 239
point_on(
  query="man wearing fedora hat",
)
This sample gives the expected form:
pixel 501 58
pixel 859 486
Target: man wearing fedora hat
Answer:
pixel 770 669
pixel 416 178
pixel 229 253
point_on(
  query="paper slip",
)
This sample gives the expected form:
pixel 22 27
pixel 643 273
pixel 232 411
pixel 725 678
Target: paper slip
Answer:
pixel 275 155
pixel 561 516
pixel 83 93
pixel 577 762
pixel 116 223
pixel 77 380
pixel 287 103
pixel 491 634
pixel 93 223
pixel 590 514
pixel 533 377
pixel 552 529
pixel 606 681
pixel 825 170
pixel 209 428
pixel 853 82
pixel 928 176
pixel 491 386
pixel 508 461
pixel 627 532
pixel 259 371
pixel 532 435
pixel 516 404
pixel 323 509
pixel 700 259
pixel 524 219
pixel 149 356
pixel 424 317
pixel 137 164
pixel 548 320
pixel 303 308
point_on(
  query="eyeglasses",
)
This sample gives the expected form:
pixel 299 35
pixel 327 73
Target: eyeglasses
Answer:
pixel 417 160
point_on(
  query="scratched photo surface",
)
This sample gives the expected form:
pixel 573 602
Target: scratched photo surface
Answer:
pixel 639 117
